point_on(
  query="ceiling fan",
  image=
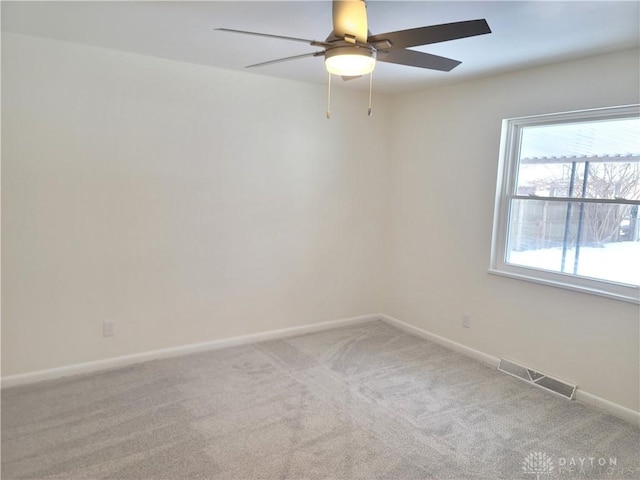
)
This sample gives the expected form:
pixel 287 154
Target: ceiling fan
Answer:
pixel 351 50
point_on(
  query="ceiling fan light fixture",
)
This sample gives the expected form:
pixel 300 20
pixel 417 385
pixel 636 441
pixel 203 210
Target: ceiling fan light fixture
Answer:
pixel 350 61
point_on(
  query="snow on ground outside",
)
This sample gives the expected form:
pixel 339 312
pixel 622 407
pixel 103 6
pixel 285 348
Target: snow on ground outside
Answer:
pixel 619 262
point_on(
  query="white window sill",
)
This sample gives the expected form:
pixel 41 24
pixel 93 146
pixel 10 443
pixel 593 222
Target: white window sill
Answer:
pixel 632 297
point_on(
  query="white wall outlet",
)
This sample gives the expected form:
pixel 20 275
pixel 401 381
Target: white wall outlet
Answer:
pixel 466 320
pixel 108 329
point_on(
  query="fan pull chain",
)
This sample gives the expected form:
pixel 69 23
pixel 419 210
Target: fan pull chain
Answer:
pixel 370 112
pixel 329 98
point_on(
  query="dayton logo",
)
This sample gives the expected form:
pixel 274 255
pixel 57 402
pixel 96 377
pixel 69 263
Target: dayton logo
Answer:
pixel 537 463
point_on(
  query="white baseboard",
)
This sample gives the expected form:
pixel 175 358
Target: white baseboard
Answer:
pixel 619 411
pixel 109 363
pixel 600 403
pixel 23 379
pixel 445 342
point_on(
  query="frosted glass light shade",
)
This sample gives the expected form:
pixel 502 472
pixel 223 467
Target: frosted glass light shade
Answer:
pixel 350 61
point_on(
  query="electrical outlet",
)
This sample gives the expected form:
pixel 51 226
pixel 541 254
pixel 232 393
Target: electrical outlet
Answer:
pixel 108 329
pixel 466 320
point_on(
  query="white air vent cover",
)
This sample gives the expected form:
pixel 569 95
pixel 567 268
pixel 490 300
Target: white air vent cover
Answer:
pixel 559 387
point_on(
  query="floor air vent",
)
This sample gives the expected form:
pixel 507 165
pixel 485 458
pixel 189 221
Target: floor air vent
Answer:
pixel 554 385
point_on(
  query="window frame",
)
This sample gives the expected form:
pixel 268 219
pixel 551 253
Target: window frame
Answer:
pixel 506 190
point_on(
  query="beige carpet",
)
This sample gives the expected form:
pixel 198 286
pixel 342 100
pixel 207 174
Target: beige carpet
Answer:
pixel 360 402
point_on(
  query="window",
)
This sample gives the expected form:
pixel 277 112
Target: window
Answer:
pixel 567 202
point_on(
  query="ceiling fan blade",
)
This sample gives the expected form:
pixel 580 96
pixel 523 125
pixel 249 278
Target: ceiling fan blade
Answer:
pixel 350 19
pixel 268 35
pixel 413 58
pixel 286 59
pixel 431 34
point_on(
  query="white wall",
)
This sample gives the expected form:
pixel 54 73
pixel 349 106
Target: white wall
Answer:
pixel 185 203
pixel 444 164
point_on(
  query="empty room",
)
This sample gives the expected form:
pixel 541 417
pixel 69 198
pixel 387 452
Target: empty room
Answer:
pixel 320 240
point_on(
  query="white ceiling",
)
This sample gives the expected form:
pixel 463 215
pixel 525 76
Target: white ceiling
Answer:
pixel 525 33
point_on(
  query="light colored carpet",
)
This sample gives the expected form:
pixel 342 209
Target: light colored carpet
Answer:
pixel 361 402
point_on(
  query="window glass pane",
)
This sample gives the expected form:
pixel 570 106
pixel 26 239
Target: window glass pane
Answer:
pixel 599 241
pixel 609 180
pixel 555 160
